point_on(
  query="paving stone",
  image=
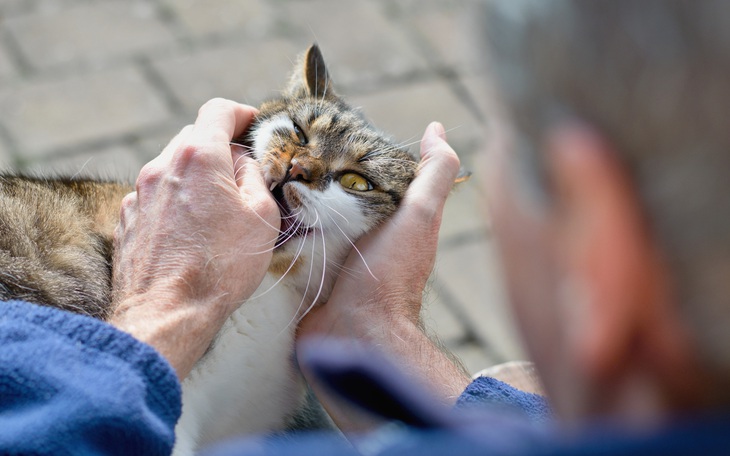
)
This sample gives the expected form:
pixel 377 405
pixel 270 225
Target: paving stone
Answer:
pixel 11 6
pixel 485 100
pixel 465 211
pixel 472 275
pixel 483 97
pixel 247 72
pixel 244 50
pixel 406 111
pixel 448 31
pixel 473 357
pixel 114 162
pixel 53 114
pixel 359 43
pixel 100 31
pixel 440 319
pixel 150 145
pixel 206 17
pixel 6 159
pixel 6 66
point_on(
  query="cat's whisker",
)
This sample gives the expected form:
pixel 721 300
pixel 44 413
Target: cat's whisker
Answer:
pixel 336 212
pixel 237 169
pixel 294 319
pixel 291 232
pixel 405 144
pixel 285 236
pixel 291 229
pixel 324 270
pixel 349 271
pixel 285 233
pixel 291 265
pixel 82 168
pixel 355 248
pixel 246 147
pixel 259 252
pixel 265 222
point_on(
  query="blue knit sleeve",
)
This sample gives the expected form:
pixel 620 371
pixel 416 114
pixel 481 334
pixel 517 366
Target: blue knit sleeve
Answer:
pixel 70 384
pixel 492 393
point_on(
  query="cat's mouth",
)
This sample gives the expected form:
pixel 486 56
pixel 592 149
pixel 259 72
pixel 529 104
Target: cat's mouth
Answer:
pixel 290 227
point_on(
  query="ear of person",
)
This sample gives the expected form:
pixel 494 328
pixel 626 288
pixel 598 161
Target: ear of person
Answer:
pixel 615 297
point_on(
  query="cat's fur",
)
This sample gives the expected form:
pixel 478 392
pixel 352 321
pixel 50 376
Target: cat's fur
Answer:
pixel 335 178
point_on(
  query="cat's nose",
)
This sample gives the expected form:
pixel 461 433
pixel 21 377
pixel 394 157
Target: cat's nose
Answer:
pixel 297 171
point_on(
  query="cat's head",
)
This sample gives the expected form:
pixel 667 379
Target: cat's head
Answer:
pixel 334 175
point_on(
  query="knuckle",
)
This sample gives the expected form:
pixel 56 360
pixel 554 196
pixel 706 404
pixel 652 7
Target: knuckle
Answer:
pixel 427 213
pixel 262 205
pixel 193 153
pixel 118 235
pixel 129 201
pixel 266 206
pixel 149 177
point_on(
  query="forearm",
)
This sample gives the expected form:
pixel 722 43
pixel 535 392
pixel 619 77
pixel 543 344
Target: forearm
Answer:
pixel 422 360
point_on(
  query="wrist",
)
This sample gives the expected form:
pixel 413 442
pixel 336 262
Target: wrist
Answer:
pixel 180 330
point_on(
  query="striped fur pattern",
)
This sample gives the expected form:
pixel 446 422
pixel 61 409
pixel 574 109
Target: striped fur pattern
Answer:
pixel 56 241
pixel 335 178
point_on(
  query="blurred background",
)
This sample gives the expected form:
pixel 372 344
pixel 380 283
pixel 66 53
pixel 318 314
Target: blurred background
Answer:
pixel 98 87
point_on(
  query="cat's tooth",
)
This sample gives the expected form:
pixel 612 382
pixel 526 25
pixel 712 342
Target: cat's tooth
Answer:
pixel 273 185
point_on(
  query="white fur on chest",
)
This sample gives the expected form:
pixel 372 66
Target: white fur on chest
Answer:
pixel 247 383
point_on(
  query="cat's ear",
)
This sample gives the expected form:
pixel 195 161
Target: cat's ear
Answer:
pixel 311 77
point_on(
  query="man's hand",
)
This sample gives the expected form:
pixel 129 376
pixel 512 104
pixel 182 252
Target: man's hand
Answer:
pixel 378 300
pixel 195 239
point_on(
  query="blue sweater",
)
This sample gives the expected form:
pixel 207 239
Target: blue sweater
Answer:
pixel 74 385
pixel 70 384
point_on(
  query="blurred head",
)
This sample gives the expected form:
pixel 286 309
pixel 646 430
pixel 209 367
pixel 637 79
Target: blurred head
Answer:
pixel 610 189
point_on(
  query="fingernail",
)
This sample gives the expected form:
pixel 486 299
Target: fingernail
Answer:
pixel 437 129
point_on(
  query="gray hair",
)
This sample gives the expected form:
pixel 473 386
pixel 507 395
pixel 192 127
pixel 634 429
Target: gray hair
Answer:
pixel 653 76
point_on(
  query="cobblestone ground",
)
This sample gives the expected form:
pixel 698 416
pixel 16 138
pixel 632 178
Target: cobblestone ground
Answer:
pixel 98 87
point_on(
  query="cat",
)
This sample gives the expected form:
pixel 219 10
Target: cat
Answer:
pixel 334 176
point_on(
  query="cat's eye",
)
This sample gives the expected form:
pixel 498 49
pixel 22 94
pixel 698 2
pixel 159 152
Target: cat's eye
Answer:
pixel 355 181
pixel 300 134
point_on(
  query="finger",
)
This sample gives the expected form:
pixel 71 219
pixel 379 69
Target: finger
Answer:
pixel 128 210
pixel 248 172
pixel 220 120
pixel 437 170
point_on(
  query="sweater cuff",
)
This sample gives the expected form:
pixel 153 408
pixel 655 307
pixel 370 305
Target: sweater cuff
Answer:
pixel 492 393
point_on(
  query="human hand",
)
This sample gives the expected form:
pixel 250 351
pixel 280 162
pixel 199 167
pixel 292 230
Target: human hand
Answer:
pixel 388 272
pixel 379 300
pixel 195 240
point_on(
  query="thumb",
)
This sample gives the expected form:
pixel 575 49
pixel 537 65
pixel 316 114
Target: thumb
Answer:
pixel 438 168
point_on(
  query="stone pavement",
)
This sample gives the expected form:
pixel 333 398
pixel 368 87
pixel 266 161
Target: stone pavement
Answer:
pixel 98 87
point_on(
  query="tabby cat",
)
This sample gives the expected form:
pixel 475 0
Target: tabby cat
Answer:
pixel 334 176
